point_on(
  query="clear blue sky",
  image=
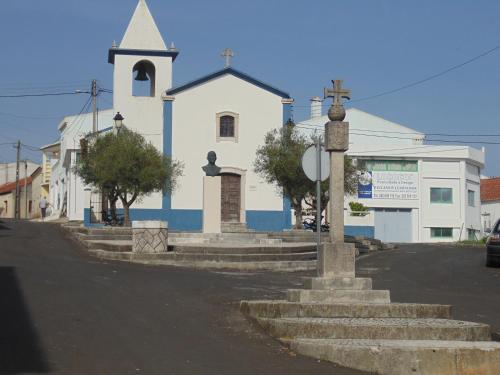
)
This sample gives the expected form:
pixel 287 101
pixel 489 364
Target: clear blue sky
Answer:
pixel 297 46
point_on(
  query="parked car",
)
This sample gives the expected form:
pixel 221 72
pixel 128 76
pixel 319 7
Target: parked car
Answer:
pixel 493 246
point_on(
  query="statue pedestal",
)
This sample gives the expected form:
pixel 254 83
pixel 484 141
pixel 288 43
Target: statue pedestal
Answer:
pixel 212 204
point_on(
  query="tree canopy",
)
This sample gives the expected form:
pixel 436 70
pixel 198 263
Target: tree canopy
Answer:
pixel 126 167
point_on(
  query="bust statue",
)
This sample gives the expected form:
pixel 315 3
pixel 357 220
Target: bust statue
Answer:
pixel 211 169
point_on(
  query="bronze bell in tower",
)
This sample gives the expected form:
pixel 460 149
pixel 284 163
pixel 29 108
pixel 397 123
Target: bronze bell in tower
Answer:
pixel 141 73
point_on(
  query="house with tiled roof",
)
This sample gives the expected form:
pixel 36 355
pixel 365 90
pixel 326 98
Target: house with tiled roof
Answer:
pixel 490 201
pixel 29 191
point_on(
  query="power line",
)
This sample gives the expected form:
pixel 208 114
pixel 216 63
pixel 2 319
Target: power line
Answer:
pixel 431 77
pixel 423 80
pixel 30 117
pixel 39 95
pixel 408 133
pixel 407 138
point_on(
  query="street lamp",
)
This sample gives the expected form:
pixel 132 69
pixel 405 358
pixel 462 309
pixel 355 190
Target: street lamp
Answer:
pixel 118 119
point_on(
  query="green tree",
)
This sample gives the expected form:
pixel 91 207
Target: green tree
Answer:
pixel 279 162
pixel 124 166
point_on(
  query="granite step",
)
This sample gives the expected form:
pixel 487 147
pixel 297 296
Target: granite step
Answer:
pixel 375 329
pixel 244 257
pixel 248 249
pixel 356 283
pixel 405 357
pixel 285 309
pixel 169 259
pixel 103 237
pixel 115 245
pixel 338 296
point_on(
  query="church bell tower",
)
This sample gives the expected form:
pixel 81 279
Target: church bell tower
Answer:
pixel 142 73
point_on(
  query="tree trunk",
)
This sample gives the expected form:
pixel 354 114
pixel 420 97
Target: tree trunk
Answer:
pixel 126 206
pixel 298 215
pixel 126 218
pixel 112 207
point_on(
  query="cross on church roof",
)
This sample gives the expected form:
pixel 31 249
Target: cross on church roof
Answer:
pixel 337 93
pixel 227 54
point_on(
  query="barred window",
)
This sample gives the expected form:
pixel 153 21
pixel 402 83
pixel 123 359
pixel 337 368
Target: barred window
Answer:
pixel 226 126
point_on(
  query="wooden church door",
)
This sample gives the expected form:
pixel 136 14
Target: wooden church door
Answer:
pixel 230 198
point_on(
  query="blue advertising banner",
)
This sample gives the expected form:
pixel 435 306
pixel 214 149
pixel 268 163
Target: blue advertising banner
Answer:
pixel 365 185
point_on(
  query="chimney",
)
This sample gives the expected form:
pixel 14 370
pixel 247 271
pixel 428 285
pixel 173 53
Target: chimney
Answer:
pixel 316 104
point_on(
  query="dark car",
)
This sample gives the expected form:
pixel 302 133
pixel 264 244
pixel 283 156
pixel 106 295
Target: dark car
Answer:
pixel 493 247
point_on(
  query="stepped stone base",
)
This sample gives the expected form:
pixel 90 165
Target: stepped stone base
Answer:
pixel 338 295
pixel 338 283
pixel 285 309
pixel 376 328
pixel 402 357
pixel 230 227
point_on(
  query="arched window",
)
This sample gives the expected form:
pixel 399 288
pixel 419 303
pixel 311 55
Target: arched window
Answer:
pixel 227 126
pixel 143 79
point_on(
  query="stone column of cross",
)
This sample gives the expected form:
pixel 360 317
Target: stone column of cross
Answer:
pixel 336 258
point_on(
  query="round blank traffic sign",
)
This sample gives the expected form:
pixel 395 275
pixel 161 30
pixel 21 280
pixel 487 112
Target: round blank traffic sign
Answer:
pixel 309 163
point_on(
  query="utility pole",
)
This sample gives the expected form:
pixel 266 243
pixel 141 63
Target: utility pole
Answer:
pixel 26 188
pixel 94 105
pixel 17 203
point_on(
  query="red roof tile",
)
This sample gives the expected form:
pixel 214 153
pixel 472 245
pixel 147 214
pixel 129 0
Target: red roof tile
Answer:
pixel 490 189
pixel 11 186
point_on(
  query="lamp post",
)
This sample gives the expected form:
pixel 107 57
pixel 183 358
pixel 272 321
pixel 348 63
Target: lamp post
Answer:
pixel 118 119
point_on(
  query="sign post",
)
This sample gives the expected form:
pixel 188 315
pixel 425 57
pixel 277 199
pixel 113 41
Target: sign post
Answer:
pixel 316 166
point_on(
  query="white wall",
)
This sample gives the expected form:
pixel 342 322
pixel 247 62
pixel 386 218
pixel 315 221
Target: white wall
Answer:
pixel 194 134
pixel 490 211
pixel 8 171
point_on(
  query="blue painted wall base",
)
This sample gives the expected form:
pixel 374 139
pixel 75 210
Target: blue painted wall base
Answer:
pixel 365 231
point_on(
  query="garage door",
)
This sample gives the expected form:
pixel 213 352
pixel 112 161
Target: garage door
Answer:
pixel 393 225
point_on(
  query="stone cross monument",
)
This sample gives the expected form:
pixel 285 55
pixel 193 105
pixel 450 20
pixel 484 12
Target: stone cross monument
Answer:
pixel 336 259
pixel 336 281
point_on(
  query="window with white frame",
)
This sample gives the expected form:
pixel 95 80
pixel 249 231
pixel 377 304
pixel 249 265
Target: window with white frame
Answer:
pixel 471 198
pixel 227 126
pixel 441 232
pixel 441 195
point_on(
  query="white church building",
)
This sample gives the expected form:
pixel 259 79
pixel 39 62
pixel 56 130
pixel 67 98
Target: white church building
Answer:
pixel 227 111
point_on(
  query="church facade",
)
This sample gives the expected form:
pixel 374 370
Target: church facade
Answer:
pixel 228 112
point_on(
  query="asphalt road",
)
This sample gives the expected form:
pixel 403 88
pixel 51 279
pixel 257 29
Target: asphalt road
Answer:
pixel 64 312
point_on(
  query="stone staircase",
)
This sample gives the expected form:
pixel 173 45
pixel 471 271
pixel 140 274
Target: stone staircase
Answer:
pixel 281 251
pixel 230 227
pixel 343 320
